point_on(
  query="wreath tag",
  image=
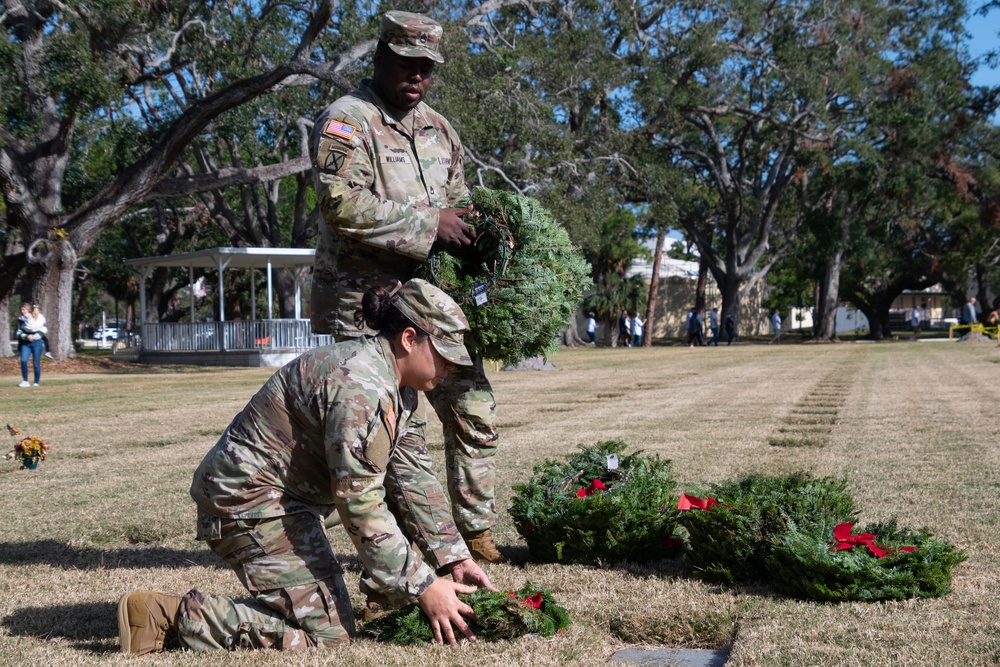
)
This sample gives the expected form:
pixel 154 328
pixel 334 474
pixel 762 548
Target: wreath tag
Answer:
pixel 479 294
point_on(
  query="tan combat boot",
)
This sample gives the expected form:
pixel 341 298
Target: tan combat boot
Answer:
pixel 146 621
pixel 483 549
pixel 376 606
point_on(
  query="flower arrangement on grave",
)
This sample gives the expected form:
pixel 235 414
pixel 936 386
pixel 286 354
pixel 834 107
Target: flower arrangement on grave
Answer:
pixel 499 616
pixel 521 281
pixel 835 563
pixel 599 506
pixel 731 530
pixel 28 450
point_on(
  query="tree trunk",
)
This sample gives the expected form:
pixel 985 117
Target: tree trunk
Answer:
pixel 284 292
pixel 5 348
pixel 82 291
pixel 730 291
pixel 50 284
pixel 876 309
pixel 611 332
pixel 570 337
pixel 654 289
pixel 829 296
pixel 699 290
pixel 982 289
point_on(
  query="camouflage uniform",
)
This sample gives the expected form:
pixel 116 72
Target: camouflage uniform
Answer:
pixel 381 181
pixel 326 433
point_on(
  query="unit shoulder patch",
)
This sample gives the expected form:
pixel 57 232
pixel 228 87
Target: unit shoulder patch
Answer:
pixel 334 160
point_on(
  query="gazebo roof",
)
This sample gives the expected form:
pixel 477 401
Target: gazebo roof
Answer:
pixel 232 258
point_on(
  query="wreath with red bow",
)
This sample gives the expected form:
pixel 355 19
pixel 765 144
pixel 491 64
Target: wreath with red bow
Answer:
pixel 499 616
pixel 796 533
pixel 587 510
pixel 834 563
pixel 730 540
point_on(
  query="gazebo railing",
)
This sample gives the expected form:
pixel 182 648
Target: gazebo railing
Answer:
pixel 231 335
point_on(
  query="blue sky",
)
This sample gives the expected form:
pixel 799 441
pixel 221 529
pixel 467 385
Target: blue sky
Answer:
pixel 984 31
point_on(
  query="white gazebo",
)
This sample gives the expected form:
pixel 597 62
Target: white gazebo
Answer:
pixel 253 342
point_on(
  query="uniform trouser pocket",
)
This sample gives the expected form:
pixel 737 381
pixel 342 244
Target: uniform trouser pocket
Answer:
pixel 287 563
pixel 276 552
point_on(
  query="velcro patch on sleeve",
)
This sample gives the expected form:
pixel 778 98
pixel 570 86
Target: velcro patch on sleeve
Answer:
pixel 333 159
pixel 340 129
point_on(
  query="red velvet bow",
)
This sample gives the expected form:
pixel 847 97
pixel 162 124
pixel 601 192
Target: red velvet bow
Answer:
pixel 844 540
pixel 595 486
pixel 687 502
pixel 532 600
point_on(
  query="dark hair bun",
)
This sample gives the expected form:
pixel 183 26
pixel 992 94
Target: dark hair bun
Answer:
pixel 375 305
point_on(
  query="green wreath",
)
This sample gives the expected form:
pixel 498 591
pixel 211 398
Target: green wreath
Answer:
pixel 882 562
pixel 519 284
pixel 731 541
pixel 499 616
pixel 587 511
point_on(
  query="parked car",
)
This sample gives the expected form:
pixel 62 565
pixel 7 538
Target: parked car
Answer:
pixel 106 334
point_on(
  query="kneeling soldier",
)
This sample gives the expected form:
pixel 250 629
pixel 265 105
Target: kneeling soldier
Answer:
pixel 327 433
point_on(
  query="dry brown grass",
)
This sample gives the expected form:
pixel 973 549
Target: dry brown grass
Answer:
pixel 911 426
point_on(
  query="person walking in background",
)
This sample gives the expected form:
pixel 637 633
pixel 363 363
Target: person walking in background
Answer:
pixel 694 325
pixel 775 326
pixel 636 330
pixel 713 326
pixel 592 327
pixel 970 316
pixel 730 325
pixel 625 330
pixel 388 172
pixel 969 313
pixel 29 343
pixel 916 320
pixel 327 434
pixel 35 322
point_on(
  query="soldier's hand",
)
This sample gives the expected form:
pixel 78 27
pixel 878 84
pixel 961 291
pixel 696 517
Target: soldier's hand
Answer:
pixel 452 231
pixel 441 604
pixel 468 572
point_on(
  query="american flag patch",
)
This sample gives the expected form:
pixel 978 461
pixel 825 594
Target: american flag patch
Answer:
pixel 336 128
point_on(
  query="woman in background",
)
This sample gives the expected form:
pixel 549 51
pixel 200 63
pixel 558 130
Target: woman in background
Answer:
pixel 30 332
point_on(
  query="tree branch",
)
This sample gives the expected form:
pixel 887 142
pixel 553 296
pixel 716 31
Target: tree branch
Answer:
pixel 136 181
pixel 203 182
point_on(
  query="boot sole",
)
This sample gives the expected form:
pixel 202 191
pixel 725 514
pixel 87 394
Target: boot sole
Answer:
pixel 124 634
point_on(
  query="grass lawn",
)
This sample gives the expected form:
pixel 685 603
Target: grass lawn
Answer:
pixel 912 426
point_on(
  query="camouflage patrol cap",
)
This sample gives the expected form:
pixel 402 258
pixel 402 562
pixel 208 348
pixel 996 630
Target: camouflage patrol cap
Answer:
pixel 438 316
pixel 412 35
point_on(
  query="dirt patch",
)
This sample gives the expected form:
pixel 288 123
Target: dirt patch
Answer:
pixel 12 366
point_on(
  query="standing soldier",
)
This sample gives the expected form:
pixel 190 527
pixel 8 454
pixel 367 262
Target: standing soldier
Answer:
pixel 389 174
pixel 327 433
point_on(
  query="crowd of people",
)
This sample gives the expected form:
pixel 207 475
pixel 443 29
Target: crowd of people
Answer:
pixel 630 327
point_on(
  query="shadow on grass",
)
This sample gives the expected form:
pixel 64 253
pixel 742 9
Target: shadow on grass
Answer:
pixel 60 554
pixel 88 626
pixel 670 568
